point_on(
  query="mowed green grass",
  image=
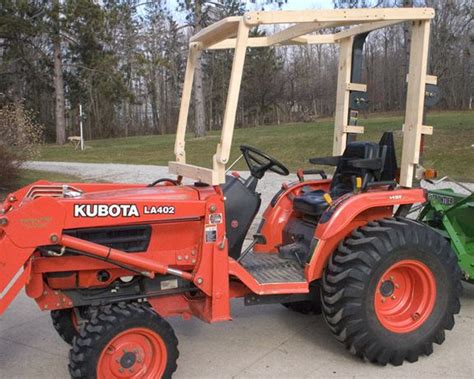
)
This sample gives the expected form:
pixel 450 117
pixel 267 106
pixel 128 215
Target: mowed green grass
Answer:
pixel 450 150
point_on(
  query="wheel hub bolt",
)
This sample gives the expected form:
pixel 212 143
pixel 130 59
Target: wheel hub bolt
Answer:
pixel 415 316
pixel 393 297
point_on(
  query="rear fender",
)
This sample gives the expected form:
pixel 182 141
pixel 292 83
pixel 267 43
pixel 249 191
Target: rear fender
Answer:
pixel 345 216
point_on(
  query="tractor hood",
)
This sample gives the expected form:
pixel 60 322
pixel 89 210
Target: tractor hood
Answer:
pixel 168 193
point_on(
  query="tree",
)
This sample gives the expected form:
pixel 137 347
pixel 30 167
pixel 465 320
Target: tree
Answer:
pixel 58 74
pixel 197 17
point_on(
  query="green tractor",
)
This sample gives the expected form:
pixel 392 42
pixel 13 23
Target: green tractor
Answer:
pixel 452 215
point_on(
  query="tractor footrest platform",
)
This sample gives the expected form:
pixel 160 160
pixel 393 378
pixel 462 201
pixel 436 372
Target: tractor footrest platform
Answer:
pixel 270 268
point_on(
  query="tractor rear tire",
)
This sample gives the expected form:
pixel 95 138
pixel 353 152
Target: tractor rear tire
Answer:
pixel 308 307
pixel 124 340
pixel 65 323
pixel 390 290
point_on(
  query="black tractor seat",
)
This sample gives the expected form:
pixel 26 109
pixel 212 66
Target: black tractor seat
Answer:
pixel 365 160
pixel 310 203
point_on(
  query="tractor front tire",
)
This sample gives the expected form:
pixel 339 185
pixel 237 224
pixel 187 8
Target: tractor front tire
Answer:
pixel 124 340
pixel 390 290
pixel 66 324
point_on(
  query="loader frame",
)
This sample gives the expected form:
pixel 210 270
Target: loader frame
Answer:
pixel 299 26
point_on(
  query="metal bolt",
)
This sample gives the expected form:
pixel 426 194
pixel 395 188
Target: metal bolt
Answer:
pixel 130 370
pixel 397 285
pixel 179 257
pixel 121 370
pixel 186 257
pixel 46 306
pixel 11 199
pixel 212 208
pixel 2 211
pixel 3 221
pixel 54 238
pixel 193 261
pixel 415 316
pixel 199 281
pixel 391 277
pixel 383 299
pixel 394 297
pixel 193 252
pixel 45 293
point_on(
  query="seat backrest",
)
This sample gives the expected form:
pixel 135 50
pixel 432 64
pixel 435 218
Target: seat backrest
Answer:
pixel 342 182
pixel 390 167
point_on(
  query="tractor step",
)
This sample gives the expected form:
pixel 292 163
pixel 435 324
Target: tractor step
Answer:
pixel 271 268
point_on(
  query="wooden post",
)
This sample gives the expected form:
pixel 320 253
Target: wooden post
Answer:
pixel 179 147
pixel 223 148
pixel 80 127
pixel 342 95
pixel 413 126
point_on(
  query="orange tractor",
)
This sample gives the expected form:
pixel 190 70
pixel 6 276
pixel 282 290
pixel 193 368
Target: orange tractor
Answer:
pixel 112 261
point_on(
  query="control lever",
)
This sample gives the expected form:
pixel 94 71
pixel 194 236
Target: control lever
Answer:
pixel 257 238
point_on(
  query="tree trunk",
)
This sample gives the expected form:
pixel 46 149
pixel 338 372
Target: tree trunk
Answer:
pixel 199 106
pixel 59 82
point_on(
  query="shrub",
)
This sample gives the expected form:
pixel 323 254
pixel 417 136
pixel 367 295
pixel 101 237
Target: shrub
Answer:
pixel 20 136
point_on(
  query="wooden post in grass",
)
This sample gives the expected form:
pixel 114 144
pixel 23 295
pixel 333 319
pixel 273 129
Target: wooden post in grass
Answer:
pixel 81 127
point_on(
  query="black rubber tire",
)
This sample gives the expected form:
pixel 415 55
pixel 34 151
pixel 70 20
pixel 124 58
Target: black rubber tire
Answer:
pixel 64 325
pixel 308 307
pixel 108 321
pixel 350 282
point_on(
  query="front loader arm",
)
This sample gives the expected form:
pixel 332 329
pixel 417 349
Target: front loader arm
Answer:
pixel 22 229
pixel 37 216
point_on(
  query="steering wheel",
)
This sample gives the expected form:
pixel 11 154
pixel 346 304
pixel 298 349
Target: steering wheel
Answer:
pixel 172 181
pixel 259 162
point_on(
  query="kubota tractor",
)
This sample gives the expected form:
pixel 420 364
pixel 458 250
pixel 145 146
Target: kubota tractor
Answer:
pixel 112 261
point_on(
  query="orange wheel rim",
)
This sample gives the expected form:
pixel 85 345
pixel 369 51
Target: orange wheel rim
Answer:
pixel 134 353
pixel 405 296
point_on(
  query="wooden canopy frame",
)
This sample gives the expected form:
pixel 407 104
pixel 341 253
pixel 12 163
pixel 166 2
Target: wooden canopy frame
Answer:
pixel 233 33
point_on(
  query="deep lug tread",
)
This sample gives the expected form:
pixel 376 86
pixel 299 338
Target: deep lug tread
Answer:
pixel 351 268
pixel 62 322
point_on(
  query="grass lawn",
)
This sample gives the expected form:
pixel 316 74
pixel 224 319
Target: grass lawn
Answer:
pixel 29 176
pixel 450 150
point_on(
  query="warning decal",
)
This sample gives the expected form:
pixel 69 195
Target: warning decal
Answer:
pixel 211 233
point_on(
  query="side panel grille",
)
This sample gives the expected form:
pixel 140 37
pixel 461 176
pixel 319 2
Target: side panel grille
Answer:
pixel 131 239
